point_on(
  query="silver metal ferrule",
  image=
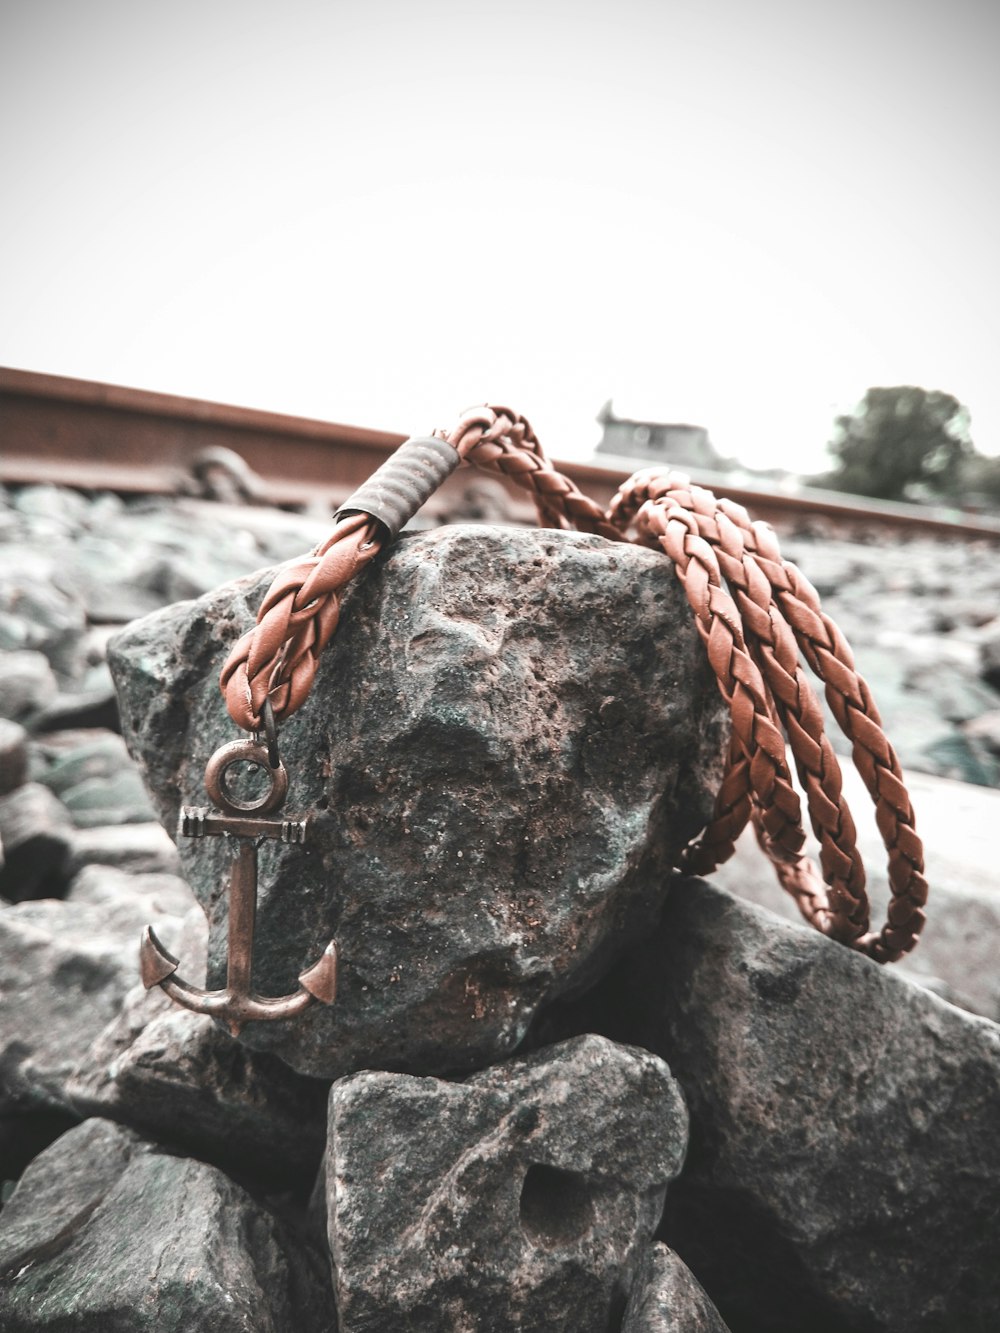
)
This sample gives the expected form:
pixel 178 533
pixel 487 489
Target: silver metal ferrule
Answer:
pixel 396 490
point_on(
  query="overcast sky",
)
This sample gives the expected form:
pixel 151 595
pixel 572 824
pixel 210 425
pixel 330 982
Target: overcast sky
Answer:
pixel 738 214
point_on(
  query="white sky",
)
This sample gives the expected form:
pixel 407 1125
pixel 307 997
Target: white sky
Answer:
pixel 740 214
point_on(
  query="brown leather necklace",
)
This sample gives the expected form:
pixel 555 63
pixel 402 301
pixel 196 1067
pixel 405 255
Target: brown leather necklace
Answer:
pixel 756 613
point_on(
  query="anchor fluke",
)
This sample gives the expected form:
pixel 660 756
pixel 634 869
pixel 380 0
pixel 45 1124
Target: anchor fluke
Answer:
pixel 320 980
pixel 155 962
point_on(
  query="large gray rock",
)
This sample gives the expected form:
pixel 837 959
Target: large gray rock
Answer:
pixel 107 1233
pixel 668 1298
pixel 36 834
pixel 519 1199
pixel 510 737
pixel 844 1171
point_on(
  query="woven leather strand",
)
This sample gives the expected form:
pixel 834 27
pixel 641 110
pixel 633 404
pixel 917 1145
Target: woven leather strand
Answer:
pixel 758 617
pixel 752 564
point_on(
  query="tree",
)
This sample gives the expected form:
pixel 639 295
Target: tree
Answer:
pixel 898 439
pixel 981 483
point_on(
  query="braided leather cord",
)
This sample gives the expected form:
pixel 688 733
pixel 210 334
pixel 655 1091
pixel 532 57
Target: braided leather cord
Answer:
pixel 498 440
pixel 279 656
pixel 776 598
pixel 755 612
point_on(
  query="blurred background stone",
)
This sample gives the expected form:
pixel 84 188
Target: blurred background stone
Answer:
pixel 138 848
pixel 131 893
pixel 13 755
pixel 27 684
pixel 919 615
pixel 92 774
pixel 36 614
pixel 36 835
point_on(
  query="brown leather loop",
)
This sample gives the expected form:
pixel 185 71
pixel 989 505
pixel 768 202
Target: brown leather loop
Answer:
pixel 755 612
pixel 277 659
pixel 763 582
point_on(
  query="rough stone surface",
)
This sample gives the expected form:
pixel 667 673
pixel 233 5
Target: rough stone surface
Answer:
pixel 36 834
pixel 177 1076
pixel 64 970
pixel 519 1199
pixel 510 736
pixel 184 1080
pixel 27 683
pixel 844 1171
pixel 668 1298
pixel 107 1233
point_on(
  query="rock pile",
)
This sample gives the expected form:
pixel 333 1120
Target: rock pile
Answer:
pixel 843 1170
pixel 560 1088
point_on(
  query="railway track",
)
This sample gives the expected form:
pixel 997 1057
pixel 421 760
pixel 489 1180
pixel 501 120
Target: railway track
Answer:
pixel 107 437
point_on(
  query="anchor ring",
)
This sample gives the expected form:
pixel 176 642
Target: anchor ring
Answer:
pixel 250 752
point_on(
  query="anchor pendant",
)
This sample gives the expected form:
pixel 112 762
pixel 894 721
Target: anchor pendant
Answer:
pixel 246 822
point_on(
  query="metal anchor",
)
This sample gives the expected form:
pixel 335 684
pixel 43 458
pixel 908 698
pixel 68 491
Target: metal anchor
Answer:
pixel 244 821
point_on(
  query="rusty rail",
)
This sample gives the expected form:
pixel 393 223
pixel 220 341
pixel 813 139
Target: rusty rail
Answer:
pixel 103 436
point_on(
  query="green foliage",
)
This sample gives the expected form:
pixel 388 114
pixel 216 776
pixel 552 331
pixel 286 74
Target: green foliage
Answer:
pixel 899 441
pixel 981 482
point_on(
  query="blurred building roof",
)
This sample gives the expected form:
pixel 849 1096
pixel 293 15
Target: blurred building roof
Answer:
pixel 678 443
